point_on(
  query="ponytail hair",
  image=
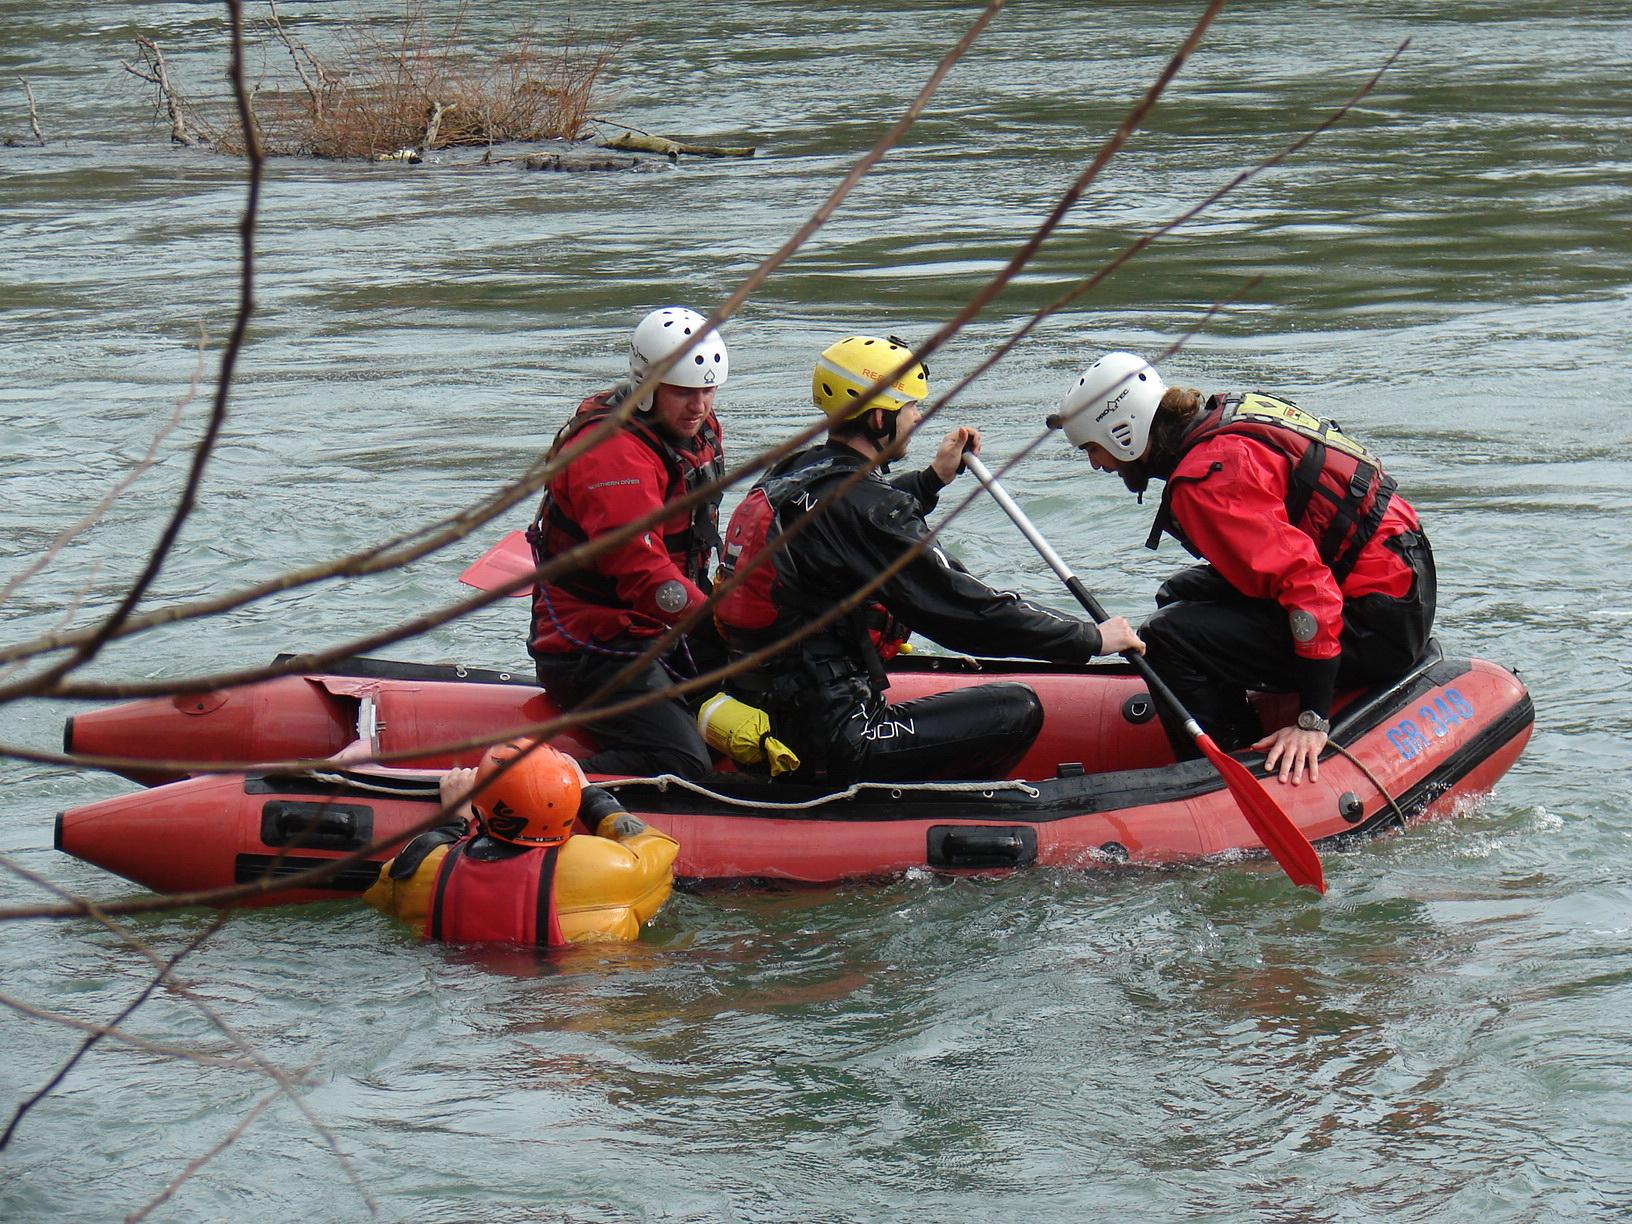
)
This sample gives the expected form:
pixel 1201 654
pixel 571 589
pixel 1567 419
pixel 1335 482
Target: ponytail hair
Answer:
pixel 1178 408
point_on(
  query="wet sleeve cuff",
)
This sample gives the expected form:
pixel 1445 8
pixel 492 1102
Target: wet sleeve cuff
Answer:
pixel 595 805
pixel 925 486
pixel 1317 682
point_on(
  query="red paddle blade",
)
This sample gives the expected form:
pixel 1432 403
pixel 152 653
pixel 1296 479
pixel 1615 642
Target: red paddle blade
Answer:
pixel 506 561
pixel 1274 827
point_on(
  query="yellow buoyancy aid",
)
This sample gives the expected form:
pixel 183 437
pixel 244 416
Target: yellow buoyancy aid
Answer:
pixel 606 887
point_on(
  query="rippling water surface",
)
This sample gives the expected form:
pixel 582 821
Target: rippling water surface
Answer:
pixel 1449 272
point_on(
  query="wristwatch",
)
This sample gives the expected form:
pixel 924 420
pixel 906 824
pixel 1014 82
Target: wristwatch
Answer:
pixel 1308 720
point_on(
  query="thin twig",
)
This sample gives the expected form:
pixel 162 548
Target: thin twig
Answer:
pixel 296 50
pixel 1007 346
pixel 542 730
pixel 90 1042
pixel 112 495
pixel 229 362
pixel 46 683
pixel 198 1162
pixel 33 113
pixel 181 132
pixel 124 1038
pixel 101 915
pixel 988 292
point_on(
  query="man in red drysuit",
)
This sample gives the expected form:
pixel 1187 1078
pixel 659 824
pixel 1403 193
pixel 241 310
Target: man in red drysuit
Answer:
pixel 590 621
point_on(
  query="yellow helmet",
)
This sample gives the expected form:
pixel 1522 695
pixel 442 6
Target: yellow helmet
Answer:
pixel 847 369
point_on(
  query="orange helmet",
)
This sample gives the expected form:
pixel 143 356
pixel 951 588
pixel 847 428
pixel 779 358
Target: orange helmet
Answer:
pixel 535 801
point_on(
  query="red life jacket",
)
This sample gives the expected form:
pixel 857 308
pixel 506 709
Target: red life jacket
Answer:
pixel 554 531
pixel 1337 494
pixel 496 900
pixel 769 602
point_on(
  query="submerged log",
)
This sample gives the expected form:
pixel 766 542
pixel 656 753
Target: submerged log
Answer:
pixel 642 142
pixel 587 161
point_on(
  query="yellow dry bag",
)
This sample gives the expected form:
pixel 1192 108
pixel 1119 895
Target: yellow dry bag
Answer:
pixel 743 733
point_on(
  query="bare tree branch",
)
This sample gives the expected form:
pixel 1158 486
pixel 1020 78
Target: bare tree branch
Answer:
pixel 229 363
pixel 131 1039
pixel 297 50
pixel 112 495
pixel 194 1165
pixel 90 1042
pixel 101 915
pixel 182 119
pixel 1007 346
pixel 539 475
pixel 543 730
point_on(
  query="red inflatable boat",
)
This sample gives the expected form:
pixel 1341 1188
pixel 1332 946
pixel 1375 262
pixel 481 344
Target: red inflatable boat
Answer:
pixel 1099 787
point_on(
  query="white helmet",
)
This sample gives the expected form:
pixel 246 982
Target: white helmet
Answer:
pixel 1113 404
pixel 670 329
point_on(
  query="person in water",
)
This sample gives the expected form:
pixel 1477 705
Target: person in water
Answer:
pixel 589 622
pixel 508 869
pixel 826 695
pixel 1317 573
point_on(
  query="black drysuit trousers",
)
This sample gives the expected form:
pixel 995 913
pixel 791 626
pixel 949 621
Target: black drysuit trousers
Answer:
pixel 1212 644
pixel 978 732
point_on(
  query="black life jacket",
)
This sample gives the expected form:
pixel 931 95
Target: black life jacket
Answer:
pixel 553 531
pixel 1353 489
pixel 771 602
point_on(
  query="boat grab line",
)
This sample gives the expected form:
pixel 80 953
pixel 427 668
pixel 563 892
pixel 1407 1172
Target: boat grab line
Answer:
pixel 662 782
pixel 894 790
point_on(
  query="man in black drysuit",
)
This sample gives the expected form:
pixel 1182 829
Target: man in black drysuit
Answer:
pixel 825 696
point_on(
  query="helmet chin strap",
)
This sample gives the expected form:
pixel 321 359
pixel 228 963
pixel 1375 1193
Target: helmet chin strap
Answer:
pixel 884 438
pixel 1136 477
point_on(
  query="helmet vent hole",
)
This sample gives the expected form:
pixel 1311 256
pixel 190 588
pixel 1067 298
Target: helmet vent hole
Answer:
pixel 1141 378
pixel 688 332
pixel 698 359
pixel 826 390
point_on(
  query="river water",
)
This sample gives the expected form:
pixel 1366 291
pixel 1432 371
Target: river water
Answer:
pixel 1442 1037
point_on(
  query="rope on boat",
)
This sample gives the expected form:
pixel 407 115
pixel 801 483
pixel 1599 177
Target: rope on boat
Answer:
pixel 406 788
pixel 402 788
pixel 894 790
pixel 1381 789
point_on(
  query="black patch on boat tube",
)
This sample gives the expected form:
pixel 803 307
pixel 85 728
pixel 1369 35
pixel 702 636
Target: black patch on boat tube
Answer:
pixel 982 846
pixel 316 826
pixel 1139 708
pixel 1350 808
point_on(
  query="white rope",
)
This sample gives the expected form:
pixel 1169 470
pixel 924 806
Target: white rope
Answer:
pixel 895 790
pixel 406 789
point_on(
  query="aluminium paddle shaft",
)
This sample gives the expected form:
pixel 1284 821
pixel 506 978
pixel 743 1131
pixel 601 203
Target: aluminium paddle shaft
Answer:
pixel 1283 839
pixel 1056 563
